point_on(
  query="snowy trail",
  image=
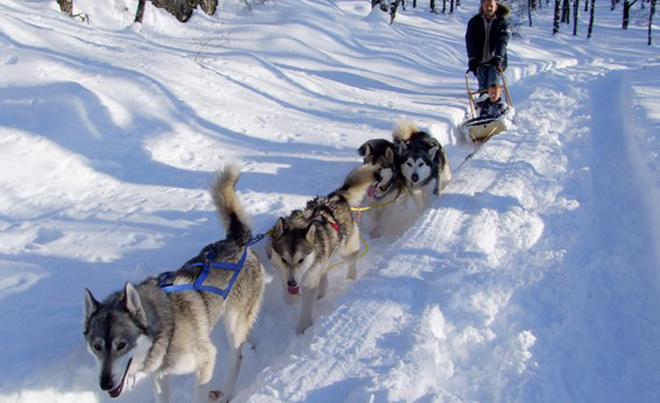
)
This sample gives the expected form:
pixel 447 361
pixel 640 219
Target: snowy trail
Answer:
pixel 466 290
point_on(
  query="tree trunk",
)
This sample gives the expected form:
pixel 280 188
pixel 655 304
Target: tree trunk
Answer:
pixel 651 20
pixel 444 6
pixel 576 9
pixel 529 11
pixel 139 14
pixel 66 6
pixel 627 5
pixel 451 6
pixel 555 22
pixel 592 15
pixel 566 11
pixel 433 6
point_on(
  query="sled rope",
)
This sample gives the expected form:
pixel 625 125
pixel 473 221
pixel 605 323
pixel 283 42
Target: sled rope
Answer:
pixel 366 250
pixel 361 209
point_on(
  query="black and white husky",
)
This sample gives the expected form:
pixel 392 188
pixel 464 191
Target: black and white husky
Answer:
pixel 147 330
pixel 382 194
pixel 303 243
pixel 422 161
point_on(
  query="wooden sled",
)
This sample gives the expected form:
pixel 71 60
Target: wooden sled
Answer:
pixel 478 129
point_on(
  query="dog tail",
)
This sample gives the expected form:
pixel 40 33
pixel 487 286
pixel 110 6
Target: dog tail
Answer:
pixel 404 129
pixel 234 218
pixel 356 184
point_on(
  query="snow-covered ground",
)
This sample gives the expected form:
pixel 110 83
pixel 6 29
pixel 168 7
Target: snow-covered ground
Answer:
pixel 534 278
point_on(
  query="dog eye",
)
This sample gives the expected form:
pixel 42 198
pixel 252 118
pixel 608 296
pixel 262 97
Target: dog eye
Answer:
pixel 409 163
pixel 121 346
pixel 300 261
pixel 97 346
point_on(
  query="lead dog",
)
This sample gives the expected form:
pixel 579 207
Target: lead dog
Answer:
pixel 303 243
pixel 143 330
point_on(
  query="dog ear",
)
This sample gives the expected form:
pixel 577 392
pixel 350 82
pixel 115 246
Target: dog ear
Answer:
pixel 365 149
pixel 389 155
pixel 133 304
pixel 91 305
pixel 279 228
pixel 311 231
pixel 402 147
pixel 432 152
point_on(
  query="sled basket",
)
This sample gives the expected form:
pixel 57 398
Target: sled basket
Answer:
pixel 481 129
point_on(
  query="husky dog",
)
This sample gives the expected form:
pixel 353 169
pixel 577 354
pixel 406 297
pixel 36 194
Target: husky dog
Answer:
pixel 382 154
pixel 303 243
pixel 423 162
pixel 142 330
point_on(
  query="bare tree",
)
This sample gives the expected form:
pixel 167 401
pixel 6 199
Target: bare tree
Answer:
pixel 566 11
pixel 626 13
pixel 555 22
pixel 592 14
pixel 139 14
pixel 529 11
pixel 651 20
pixel 576 9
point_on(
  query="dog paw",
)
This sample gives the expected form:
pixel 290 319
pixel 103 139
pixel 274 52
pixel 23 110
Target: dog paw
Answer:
pixel 216 396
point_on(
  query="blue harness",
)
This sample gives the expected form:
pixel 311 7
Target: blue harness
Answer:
pixel 207 265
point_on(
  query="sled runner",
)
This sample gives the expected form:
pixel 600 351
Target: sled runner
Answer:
pixel 480 129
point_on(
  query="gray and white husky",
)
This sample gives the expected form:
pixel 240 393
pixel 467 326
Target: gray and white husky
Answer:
pixel 142 330
pixel 423 163
pixel 303 243
pixel 382 194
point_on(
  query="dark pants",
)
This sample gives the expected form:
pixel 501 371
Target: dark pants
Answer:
pixel 487 75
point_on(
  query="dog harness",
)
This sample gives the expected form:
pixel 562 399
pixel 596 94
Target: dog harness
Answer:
pixel 207 265
pixel 324 220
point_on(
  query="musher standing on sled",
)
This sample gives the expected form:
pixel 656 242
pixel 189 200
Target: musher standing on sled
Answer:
pixel 486 39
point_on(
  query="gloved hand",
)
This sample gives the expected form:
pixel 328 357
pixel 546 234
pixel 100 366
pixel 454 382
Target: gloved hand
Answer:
pixel 473 64
pixel 497 62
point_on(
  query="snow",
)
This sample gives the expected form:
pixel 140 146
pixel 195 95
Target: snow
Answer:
pixel 534 277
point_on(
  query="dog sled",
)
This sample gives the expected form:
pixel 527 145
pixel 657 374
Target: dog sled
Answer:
pixel 480 129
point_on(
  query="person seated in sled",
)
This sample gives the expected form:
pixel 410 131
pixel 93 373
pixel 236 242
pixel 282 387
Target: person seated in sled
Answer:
pixel 486 39
pixel 493 106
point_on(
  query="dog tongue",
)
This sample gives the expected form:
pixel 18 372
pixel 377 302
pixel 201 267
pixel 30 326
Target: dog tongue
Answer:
pixel 371 191
pixel 116 391
pixel 293 290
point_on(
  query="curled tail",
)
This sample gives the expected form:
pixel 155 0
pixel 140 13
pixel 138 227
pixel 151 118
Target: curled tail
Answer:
pixel 356 184
pixel 404 130
pixel 233 216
